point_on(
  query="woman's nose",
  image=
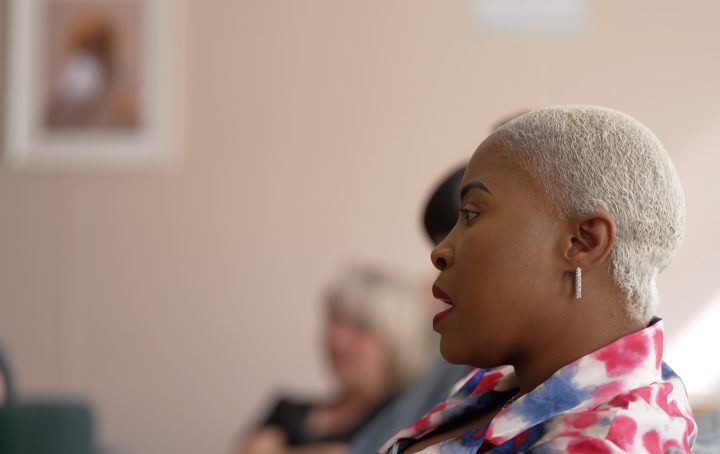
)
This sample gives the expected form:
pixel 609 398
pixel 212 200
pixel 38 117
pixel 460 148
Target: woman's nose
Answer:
pixel 442 256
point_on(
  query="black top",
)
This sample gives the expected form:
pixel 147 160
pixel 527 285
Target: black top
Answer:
pixel 410 406
pixel 290 417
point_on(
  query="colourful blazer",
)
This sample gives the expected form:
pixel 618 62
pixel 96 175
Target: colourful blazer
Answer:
pixel 620 399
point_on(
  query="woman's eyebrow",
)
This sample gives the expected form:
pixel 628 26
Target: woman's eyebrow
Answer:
pixel 473 184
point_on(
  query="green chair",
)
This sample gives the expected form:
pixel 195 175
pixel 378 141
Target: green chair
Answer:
pixel 42 427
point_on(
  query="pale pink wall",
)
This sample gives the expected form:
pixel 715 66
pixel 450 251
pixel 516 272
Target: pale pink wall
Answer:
pixel 177 302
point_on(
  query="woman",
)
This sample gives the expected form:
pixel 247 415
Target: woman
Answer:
pixel 567 215
pixel 377 343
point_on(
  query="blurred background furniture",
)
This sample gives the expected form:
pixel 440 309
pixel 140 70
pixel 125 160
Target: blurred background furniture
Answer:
pixel 42 427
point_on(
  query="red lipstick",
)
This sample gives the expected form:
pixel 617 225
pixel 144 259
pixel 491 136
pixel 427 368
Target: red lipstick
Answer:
pixel 442 296
pixel 441 315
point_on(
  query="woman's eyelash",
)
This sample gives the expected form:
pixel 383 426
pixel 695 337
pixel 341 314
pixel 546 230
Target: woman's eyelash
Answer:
pixel 469 215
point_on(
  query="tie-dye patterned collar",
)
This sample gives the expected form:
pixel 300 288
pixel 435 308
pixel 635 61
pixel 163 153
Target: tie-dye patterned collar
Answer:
pixel 608 380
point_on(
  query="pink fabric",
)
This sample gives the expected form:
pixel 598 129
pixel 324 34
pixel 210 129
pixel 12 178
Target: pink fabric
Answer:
pixel 619 399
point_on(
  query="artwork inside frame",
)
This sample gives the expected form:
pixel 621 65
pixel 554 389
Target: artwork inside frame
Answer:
pixel 92 84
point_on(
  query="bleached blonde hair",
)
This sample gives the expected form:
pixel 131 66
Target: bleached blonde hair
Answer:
pixel 391 309
pixel 589 159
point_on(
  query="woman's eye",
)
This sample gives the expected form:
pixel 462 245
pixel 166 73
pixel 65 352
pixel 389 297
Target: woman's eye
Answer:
pixel 469 215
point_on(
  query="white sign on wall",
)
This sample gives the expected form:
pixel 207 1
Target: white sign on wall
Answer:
pixel 530 16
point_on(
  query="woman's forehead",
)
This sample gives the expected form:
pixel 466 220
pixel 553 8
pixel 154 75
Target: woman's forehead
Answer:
pixel 489 162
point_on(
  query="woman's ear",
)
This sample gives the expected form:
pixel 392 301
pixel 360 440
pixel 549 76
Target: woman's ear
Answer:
pixel 592 238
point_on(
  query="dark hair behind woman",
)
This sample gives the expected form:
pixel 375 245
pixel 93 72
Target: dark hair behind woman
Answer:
pixel 441 212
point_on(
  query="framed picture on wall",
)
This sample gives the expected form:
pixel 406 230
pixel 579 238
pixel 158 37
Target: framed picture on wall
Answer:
pixel 92 84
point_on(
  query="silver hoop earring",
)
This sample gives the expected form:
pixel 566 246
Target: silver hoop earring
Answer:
pixel 578 282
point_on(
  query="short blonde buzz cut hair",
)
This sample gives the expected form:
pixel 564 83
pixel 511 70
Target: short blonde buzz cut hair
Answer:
pixel 590 159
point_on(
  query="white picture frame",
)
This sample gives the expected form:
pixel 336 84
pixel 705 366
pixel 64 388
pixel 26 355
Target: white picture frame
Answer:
pixel 129 125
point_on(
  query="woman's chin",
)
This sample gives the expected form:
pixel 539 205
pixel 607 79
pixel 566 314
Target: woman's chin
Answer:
pixel 450 352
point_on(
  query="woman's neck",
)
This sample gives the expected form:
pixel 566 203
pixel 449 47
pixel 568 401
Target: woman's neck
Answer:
pixel 599 322
pixel 353 406
pixel 366 394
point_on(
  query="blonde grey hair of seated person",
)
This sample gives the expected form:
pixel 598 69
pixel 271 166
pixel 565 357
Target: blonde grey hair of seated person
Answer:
pixel 590 159
pixel 391 309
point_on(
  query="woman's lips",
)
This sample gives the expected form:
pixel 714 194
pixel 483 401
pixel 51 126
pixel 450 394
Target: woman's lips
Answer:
pixel 441 315
pixel 442 296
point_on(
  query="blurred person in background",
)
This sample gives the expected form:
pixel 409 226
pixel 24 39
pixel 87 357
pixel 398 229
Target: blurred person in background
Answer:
pixel 568 214
pixel 377 342
pixel 440 216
